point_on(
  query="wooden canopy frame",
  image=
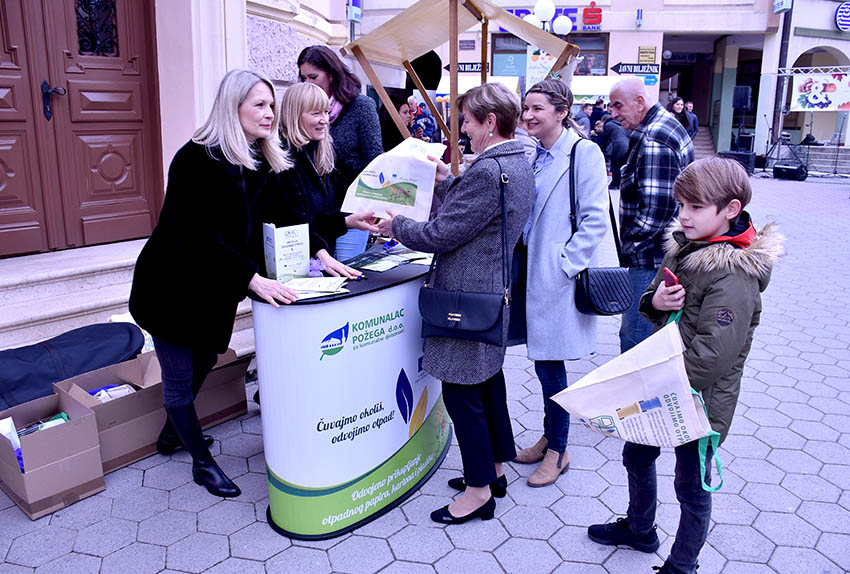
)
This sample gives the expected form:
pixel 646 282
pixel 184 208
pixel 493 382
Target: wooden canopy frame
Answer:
pixel 422 27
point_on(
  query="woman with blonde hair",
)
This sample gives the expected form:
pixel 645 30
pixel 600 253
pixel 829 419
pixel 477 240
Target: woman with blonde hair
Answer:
pixel 306 192
pixel 200 261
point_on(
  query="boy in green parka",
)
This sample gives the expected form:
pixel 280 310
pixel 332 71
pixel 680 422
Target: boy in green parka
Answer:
pixel 723 265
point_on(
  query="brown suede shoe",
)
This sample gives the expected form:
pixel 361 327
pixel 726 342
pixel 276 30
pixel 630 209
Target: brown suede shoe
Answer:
pixel 533 453
pixel 553 466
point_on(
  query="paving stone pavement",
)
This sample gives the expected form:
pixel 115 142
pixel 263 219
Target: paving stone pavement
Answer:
pixel 784 506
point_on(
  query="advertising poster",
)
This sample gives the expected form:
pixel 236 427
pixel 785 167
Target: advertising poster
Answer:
pixel 354 424
pixel 820 93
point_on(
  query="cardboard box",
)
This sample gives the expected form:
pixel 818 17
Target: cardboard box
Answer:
pixel 127 426
pixel 223 395
pixel 62 463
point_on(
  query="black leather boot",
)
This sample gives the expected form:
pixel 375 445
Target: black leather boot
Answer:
pixel 168 441
pixel 205 471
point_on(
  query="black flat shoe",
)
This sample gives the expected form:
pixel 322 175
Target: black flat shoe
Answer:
pixel 498 487
pixel 484 512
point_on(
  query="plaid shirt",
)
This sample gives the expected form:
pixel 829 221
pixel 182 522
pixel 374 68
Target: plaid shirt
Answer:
pixel 659 149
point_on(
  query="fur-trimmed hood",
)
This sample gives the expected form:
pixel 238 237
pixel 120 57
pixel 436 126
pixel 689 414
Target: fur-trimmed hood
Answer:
pixel 757 260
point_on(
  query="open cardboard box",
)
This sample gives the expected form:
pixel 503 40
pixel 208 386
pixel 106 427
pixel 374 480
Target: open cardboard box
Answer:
pixel 129 426
pixel 62 463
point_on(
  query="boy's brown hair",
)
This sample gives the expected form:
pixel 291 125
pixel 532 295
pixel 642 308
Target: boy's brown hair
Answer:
pixel 713 181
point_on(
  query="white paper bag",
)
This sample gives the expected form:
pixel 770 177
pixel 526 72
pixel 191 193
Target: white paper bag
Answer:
pixel 401 179
pixel 642 396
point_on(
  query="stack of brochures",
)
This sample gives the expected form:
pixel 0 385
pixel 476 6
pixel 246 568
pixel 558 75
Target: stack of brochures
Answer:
pixel 381 259
pixel 310 287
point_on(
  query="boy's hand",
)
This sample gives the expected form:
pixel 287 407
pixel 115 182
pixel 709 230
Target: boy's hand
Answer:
pixel 669 298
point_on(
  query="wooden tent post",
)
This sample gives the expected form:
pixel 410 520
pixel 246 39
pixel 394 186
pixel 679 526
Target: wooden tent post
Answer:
pixel 382 93
pixel 431 106
pixel 484 24
pixel 453 40
pixel 562 60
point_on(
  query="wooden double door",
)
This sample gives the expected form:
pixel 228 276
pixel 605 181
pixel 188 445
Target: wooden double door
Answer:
pixel 79 138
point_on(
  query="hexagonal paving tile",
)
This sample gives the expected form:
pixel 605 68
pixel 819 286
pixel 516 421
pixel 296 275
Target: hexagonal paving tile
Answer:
pixel 467 562
pixel 167 527
pixel 836 547
pixel 137 558
pixel 68 564
pixel 530 522
pixel 478 535
pixel 727 508
pixel 301 560
pixel 386 525
pixel 770 497
pixel 257 542
pixel 226 517
pixel 84 513
pixel 740 543
pixel 572 543
pixel 360 555
pixel 824 516
pixel 418 509
pixel 198 552
pixel 399 567
pixel 140 503
pixel 168 476
pixel 524 556
pixel 237 566
pixel 41 546
pixel 191 498
pixel 582 511
pixel 793 560
pixel 421 544
pixel 106 537
pixel 786 529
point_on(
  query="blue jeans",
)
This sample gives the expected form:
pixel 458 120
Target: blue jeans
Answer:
pixel 634 328
pixel 351 244
pixel 183 370
pixel 694 502
pixel 556 421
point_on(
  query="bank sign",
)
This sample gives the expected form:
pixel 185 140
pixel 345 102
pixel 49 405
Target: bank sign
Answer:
pixel 589 21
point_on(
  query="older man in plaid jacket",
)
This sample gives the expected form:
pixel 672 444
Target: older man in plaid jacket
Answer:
pixel 659 149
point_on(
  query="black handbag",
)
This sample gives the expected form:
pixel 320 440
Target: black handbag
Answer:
pixel 464 314
pixel 600 290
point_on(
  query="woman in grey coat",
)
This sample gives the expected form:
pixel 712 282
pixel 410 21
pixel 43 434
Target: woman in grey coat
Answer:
pixel 466 237
pixel 555 330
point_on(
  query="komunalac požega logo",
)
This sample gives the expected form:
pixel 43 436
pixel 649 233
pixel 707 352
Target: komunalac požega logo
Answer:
pixel 334 341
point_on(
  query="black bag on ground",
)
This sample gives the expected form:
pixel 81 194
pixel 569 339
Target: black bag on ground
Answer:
pixel 28 373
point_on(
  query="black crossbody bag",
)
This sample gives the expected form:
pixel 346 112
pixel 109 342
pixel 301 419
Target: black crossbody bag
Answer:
pixel 468 315
pixel 600 290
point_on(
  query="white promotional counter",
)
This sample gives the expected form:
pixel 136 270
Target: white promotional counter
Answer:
pixel 352 425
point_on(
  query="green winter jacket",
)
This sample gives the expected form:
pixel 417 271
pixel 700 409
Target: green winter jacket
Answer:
pixel 723 283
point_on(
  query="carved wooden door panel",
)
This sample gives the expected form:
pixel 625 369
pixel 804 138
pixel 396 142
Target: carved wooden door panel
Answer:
pixel 22 210
pixel 99 53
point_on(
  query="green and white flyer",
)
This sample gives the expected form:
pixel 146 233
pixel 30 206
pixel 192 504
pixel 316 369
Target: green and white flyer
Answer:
pixel 401 179
pixel 351 422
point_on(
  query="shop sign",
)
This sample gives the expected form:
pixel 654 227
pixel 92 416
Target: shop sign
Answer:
pixel 622 68
pixel 466 44
pixel 355 10
pixel 842 16
pixel 649 80
pixel 509 64
pixel 646 55
pixel 780 6
pixel 467 67
pixel 591 17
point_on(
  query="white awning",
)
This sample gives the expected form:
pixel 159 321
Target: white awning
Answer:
pixel 466 83
pixel 425 26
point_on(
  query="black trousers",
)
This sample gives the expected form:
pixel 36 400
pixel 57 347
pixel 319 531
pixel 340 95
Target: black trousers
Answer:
pixel 482 425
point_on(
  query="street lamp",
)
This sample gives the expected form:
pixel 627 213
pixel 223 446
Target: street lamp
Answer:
pixel 533 20
pixel 545 11
pixel 562 25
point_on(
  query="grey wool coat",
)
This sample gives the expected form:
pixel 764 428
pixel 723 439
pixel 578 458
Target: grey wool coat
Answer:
pixel 466 236
pixel 555 328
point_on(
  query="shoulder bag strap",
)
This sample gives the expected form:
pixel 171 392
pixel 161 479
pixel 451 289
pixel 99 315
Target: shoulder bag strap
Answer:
pixel 506 276
pixel 573 224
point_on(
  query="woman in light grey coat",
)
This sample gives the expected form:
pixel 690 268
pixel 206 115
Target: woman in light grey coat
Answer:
pixel 466 237
pixel 555 330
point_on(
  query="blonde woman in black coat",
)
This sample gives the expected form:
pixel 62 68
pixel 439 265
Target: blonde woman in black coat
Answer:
pixel 199 262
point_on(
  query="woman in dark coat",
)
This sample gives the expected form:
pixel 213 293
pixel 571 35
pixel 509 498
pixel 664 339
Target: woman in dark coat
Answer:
pixel 466 236
pixel 677 108
pixel 199 261
pixel 306 192
pixel 354 128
